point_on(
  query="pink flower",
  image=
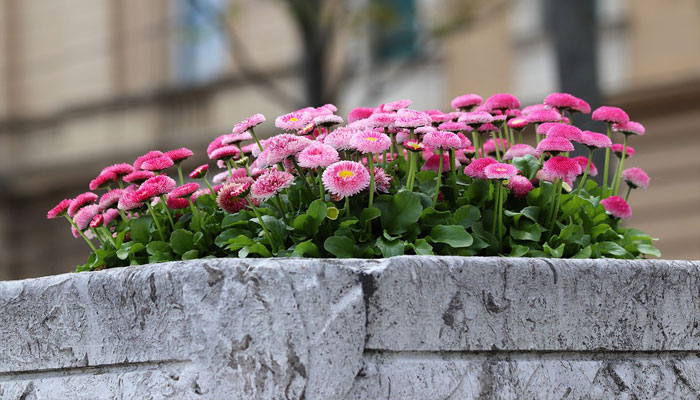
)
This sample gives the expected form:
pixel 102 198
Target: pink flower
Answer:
pixel 464 141
pixel 97 221
pixel 452 126
pixel 225 175
pixel 383 119
pixel 561 167
pixel 225 152
pixel 517 123
pixel 543 128
pixel 157 163
pixel 617 149
pixel 110 198
pixel 131 200
pixel 611 115
pixel 339 139
pixel 280 147
pixel 370 141
pixel 382 180
pixel 636 178
pixel 535 107
pixel 293 121
pixel 215 144
pixel 617 206
pixel 328 120
pixel 150 155
pixel 438 117
pixel 251 149
pixel 475 118
pixel 554 145
pixel 565 131
pixel 442 140
pixel 178 198
pixel 520 186
pixel 60 208
pixel 566 101
pixel 80 201
pixel 502 101
pixel 477 167
pixel 138 176
pixel 520 150
pixel 630 128
pixel 420 130
pixel 250 122
pixel 488 128
pixel 433 163
pixel 102 180
pixel 360 113
pixel 156 186
pixel 119 169
pixel 178 155
pixel 582 107
pixel 499 120
pixel 85 215
pixel 500 171
pixel 411 119
pixel 490 146
pixel 110 215
pixel 414 145
pixel 466 102
pixel 317 155
pixel 395 105
pixel 269 183
pixel 595 140
pixel 582 161
pixel 199 172
pixel 236 138
pixel 345 178
pixel 546 115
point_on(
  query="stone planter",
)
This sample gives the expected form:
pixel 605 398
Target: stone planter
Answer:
pixel 400 328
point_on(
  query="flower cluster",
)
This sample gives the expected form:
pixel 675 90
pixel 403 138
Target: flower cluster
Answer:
pixel 488 178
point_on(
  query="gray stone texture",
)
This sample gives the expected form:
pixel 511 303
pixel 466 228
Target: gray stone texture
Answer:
pixel 401 328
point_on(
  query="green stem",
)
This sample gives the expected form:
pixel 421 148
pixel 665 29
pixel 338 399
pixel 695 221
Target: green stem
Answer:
pixel 321 191
pixel 475 139
pixel 108 235
pixel 252 132
pixel 411 170
pixel 211 189
pixel 179 174
pixel 282 208
pixel 495 142
pixel 588 167
pixel 555 206
pixel 439 179
pixel 501 198
pixel 302 175
pixel 98 236
pixel 496 195
pixel 167 212
pixel 230 170
pixel 481 143
pixel 537 135
pixel 89 243
pixel 370 161
pixel 155 220
pixel 262 223
pixel 195 213
pixel 629 189
pixel 393 142
pixel 607 165
pixel 520 136
pixel 453 171
pixel 618 176
pixel 346 209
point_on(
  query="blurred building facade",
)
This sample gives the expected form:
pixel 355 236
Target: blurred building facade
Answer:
pixel 87 84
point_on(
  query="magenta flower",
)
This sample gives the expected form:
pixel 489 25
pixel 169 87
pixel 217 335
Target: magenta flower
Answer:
pixel 420 130
pixel 80 201
pixel 225 152
pixel 582 161
pixel 502 101
pixel 617 149
pixel 433 163
pixel 250 122
pixel 280 147
pixel 466 102
pixel 370 141
pixel 345 178
pixel 156 186
pixel 150 155
pixel 328 120
pixel 59 209
pixel 595 140
pixel 554 145
pixel 438 117
pixel 500 171
pixel 562 167
pixel 453 126
pixel 131 200
pixel 490 146
pixel 97 221
pixel 383 119
pixel 611 115
pixel 535 107
pixel 488 128
pixel 520 150
pixel 293 121
pixel 85 215
pixel 636 178
pixel 617 206
pixel 464 141
pixel 520 186
pixel 582 106
pixel 411 119
pixel 269 183
pixel 110 215
pixel 102 180
pixel 199 172
pixel 545 115
pixel 178 155
pixel 475 118
pixel 317 155
pixel 178 198
pixel 543 128
pixel 360 113
pixel 414 145
pixel 565 131
pixel 442 140
pixel 339 139
pixel 517 123
pixel 382 180
pixel 629 128
pixel 119 169
pixel 138 177
pixel 110 198
pixel 157 163
pixel 396 105
pixel 236 138
pixel 566 101
pixel 476 168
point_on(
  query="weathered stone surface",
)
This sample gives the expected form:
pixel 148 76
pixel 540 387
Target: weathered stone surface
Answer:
pixel 404 328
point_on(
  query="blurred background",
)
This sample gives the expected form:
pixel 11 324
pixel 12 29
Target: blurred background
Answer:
pixel 87 83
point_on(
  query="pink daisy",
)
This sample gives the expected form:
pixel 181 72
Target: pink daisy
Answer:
pixel 564 101
pixel 119 169
pixel 466 102
pixel 269 183
pixel 250 122
pixel 499 119
pixel 442 140
pixel 582 161
pixel 535 107
pixel 346 178
pixel 582 106
pixel 629 128
pixel 500 171
pixel 464 141
pixel 488 128
pixel 339 139
pixel 420 130
pixel 520 186
pixel 360 113
pixel 433 163
pixel 520 150
pixel 383 119
pixel 617 149
pixel 157 163
pixel 382 180
pixel 562 168
pixel 293 121
pixel 150 155
pixel 396 105
pixel 328 120
pixel 317 155
pixel 636 178
pixel 490 145
pixel 477 167
pixel 178 155
pixel 452 126
pixel 110 215
pixel 199 172
pixel 80 201
pixel 138 177
pixel 252 148
pixel 370 141
pixel 97 221
pixel 438 117
pixel 617 206
pixel 565 131
pixel 110 198
pixel 543 128
pixel 414 145
pixel 60 208
pixel 280 147
pixel 517 123
pixel 502 101
pixel 236 138
pixel 475 118
pixel 156 186
pixel 546 115
pixel 611 115
pixel 595 139
pixel 412 119
pixel 178 198
pixel 554 145
pixel 85 215
pixel 131 200
pixel 225 152
pixel 102 180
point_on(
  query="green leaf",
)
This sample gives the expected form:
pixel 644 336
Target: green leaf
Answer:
pixel 228 234
pixel 256 248
pixel 369 214
pixel 390 248
pixel 157 246
pixel 181 241
pixel 518 250
pixel 126 250
pixel 190 255
pixel 141 229
pixel 342 247
pixel 238 242
pixel 466 216
pixel 240 218
pixel 453 235
pixel 431 217
pixel 528 165
pixel 422 248
pixel 277 227
pixel 612 248
pixel 583 253
pixel 348 223
pixel 318 211
pixel 556 253
pixel 306 248
pixel 649 249
pixel 531 232
pixel 401 212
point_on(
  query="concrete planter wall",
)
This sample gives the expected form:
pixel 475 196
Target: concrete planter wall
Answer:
pixel 401 328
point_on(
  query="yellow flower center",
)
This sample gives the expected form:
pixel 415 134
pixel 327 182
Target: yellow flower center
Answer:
pixel 414 145
pixel 294 119
pixel 372 139
pixel 346 174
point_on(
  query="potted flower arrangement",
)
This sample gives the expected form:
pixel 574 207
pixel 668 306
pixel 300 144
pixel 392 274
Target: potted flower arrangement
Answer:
pixel 489 178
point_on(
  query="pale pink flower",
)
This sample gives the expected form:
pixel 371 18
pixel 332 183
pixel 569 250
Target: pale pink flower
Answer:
pixel 617 207
pixel 466 102
pixel 328 120
pixel 383 119
pixel 488 128
pixel 636 178
pixel 382 180
pixel 85 215
pixel 150 155
pixel 535 107
pixel 464 141
pixel 611 115
pixel 250 122
pixel 227 152
pixel 178 155
pixel 490 146
pixel 131 200
pixel 59 209
pixel 119 169
pixel 156 186
pixel 110 215
pixel 411 118
pixel 554 145
pixel 157 163
pixel 502 101
pixel 543 128
pixel 438 117
pixel 476 168
pixel 110 198
pixel 565 131
pixel 236 138
pixel 138 177
pixel 595 139
pixel 500 171
pixel 339 139
pixel 520 186
pixel 317 155
pixel 421 130
pixel 395 105
pixel 80 201
pixel 562 168
pixel 442 140
pixel 280 147
pixel 346 178
pixel 629 128
pixel 102 180
pixel 582 161
pixel 360 113
pixel 546 115
pixel 475 118
pixel 517 123
pixel 433 163
pixel 520 150
pixel 617 149
pixel 199 172
pixel 252 148
pixel 452 126
pixel 269 183
pixel 370 141
pixel 293 121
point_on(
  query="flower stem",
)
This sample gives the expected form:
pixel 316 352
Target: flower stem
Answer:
pixel 588 167
pixel 302 175
pixel 167 211
pixel 453 172
pixel 554 205
pixel 495 142
pixel 211 189
pixel 607 164
pixel 262 223
pixel 629 189
pixel 439 179
pixel 475 139
pixel 346 209
pixel 537 135
pixel 89 243
pixel 282 208
pixel 321 191
pixel 618 176
pixel 155 220
pixel 411 170
pixel 179 174
pixel 98 236
pixel 520 136
pixel 108 235
pixel 228 166
pixel 370 161
pixel 496 195
pixel 252 132
pixel 195 213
